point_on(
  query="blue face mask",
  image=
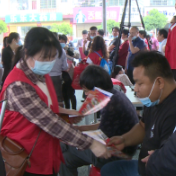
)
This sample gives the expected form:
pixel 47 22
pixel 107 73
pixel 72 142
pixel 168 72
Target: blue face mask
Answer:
pixel 43 68
pixel 147 102
pixel 63 45
pixel 19 43
pixel 92 37
pixel 134 38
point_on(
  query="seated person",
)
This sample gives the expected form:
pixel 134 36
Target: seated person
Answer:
pixel 119 74
pixel 98 46
pixel 117 117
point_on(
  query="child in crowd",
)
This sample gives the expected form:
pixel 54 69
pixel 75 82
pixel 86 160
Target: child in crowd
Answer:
pixel 118 74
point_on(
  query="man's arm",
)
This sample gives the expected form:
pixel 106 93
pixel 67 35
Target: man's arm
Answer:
pixel 64 61
pixel 134 137
pixel 111 48
pixel 162 161
pixel 132 48
pixel 126 62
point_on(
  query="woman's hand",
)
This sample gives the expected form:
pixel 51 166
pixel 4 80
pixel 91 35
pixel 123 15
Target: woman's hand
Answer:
pixel 100 150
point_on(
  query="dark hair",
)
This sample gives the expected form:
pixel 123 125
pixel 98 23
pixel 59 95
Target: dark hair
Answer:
pixel 56 34
pixel 18 55
pixel 101 32
pixel 93 28
pixel 95 76
pixel 174 17
pixel 99 44
pixel 5 41
pixel 125 32
pixel 135 27
pixel 163 32
pixel 116 71
pixel 41 39
pixel 63 37
pixel 143 32
pixel 155 65
pixel 117 28
pixel 84 32
pixel 148 37
pixel 13 35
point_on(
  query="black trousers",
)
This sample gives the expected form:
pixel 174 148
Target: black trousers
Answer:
pixel 174 73
pixel 57 82
pixel 29 174
pixel 68 91
pixel 2 166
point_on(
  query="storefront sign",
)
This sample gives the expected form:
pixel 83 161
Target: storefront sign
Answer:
pixel 94 14
pixel 33 18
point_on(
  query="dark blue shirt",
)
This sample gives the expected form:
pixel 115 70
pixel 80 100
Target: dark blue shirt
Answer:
pixel 118 117
pixel 139 43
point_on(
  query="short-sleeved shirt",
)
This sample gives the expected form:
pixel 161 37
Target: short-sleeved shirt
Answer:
pixel 123 51
pixel 118 116
pixel 160 122
pixel 162 44
pixel 139 43
pixel 155 43
pixel 60 65
pixel 94 58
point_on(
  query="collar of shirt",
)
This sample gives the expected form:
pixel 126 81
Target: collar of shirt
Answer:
pixel 28 72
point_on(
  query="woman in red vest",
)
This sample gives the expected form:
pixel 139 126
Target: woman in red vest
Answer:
pixel 32 107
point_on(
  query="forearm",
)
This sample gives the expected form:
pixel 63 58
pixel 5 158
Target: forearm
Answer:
pixel 67 111
pixel 134 136
pixel 84 48
pixel 88 127
pixel 132 48
pixel 126 61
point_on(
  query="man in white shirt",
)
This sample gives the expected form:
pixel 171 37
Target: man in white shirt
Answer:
pixel 56 72
pixel 84 37
pixel 162 38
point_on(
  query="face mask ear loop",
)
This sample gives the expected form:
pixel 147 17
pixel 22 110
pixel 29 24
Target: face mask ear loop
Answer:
pixel 152 88
pixel 160 96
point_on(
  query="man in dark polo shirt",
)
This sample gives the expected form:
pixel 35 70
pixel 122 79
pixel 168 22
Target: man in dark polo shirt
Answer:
pixel 156 88
pixel 136 44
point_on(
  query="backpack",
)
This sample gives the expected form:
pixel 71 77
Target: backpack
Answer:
pixel 104 64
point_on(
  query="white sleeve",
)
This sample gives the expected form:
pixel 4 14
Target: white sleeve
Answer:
pixel 89 61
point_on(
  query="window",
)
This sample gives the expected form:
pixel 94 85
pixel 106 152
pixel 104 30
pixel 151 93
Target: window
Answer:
pixel 47 4
pixel 162 2
pixel 63 0
pixel 19 4
pixel 34 5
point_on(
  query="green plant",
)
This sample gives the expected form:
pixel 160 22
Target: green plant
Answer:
pixel 3 27
pixel 154 20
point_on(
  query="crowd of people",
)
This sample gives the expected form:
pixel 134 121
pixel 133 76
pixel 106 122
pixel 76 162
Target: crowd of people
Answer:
pixel 37 83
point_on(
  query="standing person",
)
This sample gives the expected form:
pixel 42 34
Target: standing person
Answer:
pixel 81 41
pixel 56 72
pixel 148 37
pixel 98 46
pixel 32 107
pixel 162 37
pixel 155 44
pixel 157 91
pixel 123 49
pixel 115 34
pixel 101 32
pixel 171 47
pixel 136 45
pixel 92 34
pixel 8 53
pixel 143 35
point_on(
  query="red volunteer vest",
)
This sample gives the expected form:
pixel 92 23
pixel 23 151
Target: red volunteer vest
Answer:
pixel 47 154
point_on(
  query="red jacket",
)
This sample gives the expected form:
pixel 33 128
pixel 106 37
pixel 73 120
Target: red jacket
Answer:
pixel 123 52
pixel 47 154
pixel 170 51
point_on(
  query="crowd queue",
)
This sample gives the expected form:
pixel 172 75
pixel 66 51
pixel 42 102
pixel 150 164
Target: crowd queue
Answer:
pixel 36 80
